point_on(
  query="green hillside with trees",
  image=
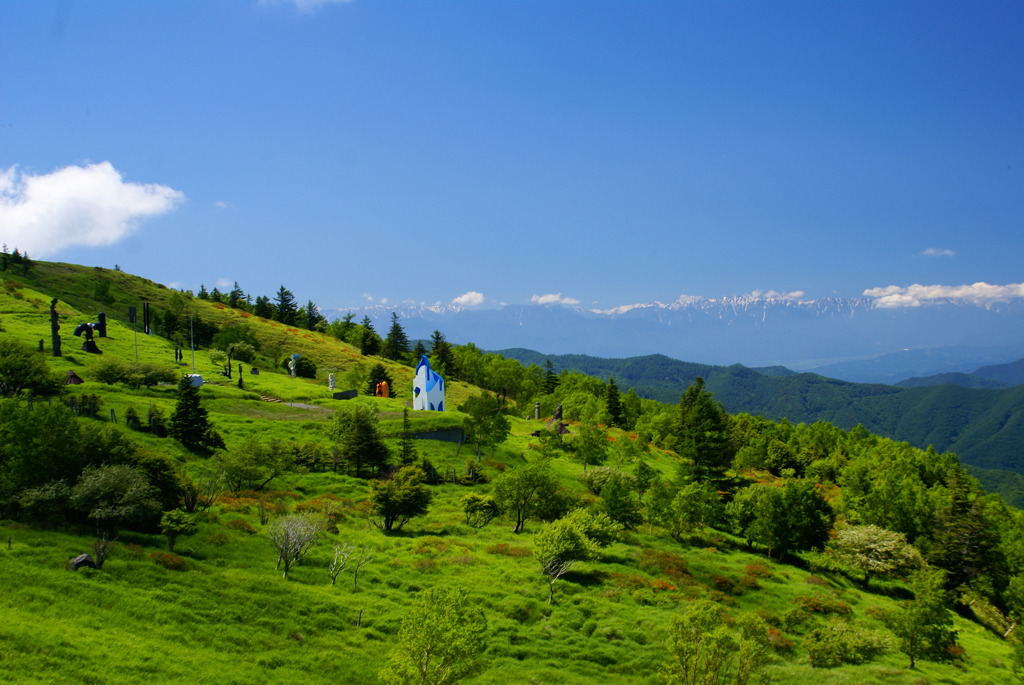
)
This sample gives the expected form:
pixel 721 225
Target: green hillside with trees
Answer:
pixel 984 427
pixel 256 529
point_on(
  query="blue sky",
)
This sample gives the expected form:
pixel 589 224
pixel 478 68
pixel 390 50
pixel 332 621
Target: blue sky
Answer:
pixel 592 152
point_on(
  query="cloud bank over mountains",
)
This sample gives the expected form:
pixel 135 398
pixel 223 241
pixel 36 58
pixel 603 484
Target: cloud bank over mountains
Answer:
pixel 981 294
pixel 78 205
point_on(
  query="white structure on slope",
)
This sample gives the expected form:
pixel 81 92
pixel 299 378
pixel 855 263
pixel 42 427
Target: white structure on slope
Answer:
pixel 427 388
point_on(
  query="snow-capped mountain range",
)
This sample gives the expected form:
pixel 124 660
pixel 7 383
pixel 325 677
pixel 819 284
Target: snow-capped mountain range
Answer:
pixel 845 335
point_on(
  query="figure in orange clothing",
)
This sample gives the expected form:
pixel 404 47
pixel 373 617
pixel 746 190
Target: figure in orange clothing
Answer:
pixel 382 389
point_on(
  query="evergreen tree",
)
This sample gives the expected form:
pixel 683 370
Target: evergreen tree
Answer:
pixel 964 543
pixel 190 424
pixel 419 351
pixel 263 307
pixel 379 374
pixel 369 341
pixel 285 309
pixel 311 316
pixel 346 326
pixel 442 359
pixel 26 265
pixel 407 448
pixel 202 294
pixel 396 344
pixel 550 378
pixel 5 258
pixel 703 431
pixel 236 297
pixel 612 403
pixel 357 434
pixel 631 409
pixel 216 295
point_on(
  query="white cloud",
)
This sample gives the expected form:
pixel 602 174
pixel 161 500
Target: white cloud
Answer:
pixel 553 298
pixel 981 294
pixel 220 204
pixel 90 205
pixel 224 284
pixel 938 252
pixel 470 299
pixel 307 6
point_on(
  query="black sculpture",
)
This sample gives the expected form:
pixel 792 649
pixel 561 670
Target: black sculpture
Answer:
pixel 54 328
pixel 89 345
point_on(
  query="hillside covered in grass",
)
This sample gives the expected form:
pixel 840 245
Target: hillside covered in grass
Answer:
pixel 657 512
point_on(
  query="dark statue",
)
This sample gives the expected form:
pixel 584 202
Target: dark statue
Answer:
pixel 54 328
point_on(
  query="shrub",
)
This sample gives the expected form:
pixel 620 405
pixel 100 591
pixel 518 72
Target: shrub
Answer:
pixel 169 561
pixel 520 609
pixel 242 525
pixel 842 642
pixel 427 565
pixel 820 604
pixel 778 641
pixel 505 549
pixel 597 478
pixel 672 565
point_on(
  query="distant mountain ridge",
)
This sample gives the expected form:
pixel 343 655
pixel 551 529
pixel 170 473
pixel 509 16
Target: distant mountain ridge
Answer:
pixel 839 337
pixel 985 427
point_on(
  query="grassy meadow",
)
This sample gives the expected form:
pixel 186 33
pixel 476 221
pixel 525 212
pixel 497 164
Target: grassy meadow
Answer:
pixel 217 611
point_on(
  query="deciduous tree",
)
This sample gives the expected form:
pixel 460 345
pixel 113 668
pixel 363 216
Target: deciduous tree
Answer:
pixel 924 625
pixel 293 535
pixel 518 491
pixel 441 641
pixel 875 551
pixel 396 500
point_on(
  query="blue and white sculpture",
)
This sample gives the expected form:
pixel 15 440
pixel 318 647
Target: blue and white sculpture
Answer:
pixel 427 388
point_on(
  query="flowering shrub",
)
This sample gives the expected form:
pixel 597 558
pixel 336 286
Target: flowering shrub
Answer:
pixel 671 565
pixel 820 604
pixel 169 561
pixel 242 525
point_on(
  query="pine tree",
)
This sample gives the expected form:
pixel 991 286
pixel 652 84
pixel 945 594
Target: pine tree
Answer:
pixel 703 431
pixel 379 374
pixel 312 316
pixel 442 359
pixel 235 297
pixel 5 258
pixel 369 341
pixel 407 448
pixel 396 345
pixel 190 424
pixel 550 378
pixel 203 294
pixel 285 310
pixel 263 308
pixel 613 403
pixel 216 295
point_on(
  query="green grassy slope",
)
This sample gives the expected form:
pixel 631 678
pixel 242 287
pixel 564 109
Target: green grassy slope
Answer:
pixel 222 614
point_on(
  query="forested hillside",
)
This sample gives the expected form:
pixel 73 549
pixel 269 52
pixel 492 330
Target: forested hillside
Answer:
pixel 256 529
pixel 984 427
